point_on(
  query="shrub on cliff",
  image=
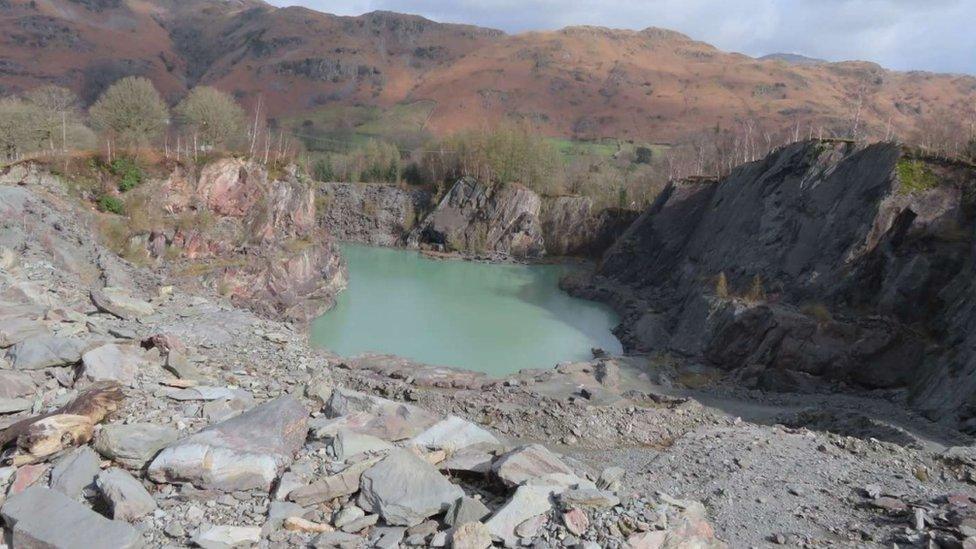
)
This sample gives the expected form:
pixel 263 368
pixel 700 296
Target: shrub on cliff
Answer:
pixel 130 110
pixel 111 204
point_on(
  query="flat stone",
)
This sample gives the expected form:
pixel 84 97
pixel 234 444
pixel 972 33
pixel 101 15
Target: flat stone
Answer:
pixel 75 471
pixel 530 528
pixel 348 443
pixel 348 515
pixel 337 540
pixel 465 509
pixel 45 351
pixel 379 417
pixel 361 523
pixel 343 483
pixel 135 444
pixel 405 490
pixel 179 365
pixel 112 362
pixel 16 329
pixel 589 497
pixel 526 503
pixel 530 463
pixel 576 521
pixel 454 433
pixel 471 535
pixel 16 384
pixel 468 460
pixel 242 453
pixel 14 405
pixel 128 499
pixel 39 517
pixel 26 476
pixel 119 302
pixel 226 537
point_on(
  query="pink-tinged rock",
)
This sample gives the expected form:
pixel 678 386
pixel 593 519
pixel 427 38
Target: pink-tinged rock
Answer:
pixel 576 521
pixel 245 452
pixel 26 476
pixel 647 540
pixel 231 186
pixel 532 462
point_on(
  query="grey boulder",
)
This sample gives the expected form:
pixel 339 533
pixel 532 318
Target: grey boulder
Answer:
pixel 42 518
pixel 245 452
pixel 531 463
pixel 112 362
pixel 74 472
pixel 126 497
pixel 134 444
pixel 454 433
pixel 405 490
pixel 16 384
pixel 45 351
pixel 119 302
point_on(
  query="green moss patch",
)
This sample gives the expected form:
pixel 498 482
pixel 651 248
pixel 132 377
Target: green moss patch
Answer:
pixel 915 177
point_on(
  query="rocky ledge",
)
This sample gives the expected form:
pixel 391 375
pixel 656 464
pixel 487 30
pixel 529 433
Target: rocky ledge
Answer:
pixel 822 265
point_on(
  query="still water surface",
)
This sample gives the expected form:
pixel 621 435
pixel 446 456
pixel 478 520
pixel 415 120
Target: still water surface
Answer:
pixel 489 318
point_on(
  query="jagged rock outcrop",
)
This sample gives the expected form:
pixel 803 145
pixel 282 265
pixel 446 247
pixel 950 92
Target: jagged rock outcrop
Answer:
pixel 484 219
pixel 822 261
pixel 256 239
pixel 374 214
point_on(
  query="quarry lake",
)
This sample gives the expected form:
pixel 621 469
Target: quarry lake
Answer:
pixel 492 318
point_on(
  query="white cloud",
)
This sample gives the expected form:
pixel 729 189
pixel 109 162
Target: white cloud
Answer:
pixel 932 35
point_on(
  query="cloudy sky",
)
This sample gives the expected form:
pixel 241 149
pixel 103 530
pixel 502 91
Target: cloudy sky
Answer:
pixel 937 35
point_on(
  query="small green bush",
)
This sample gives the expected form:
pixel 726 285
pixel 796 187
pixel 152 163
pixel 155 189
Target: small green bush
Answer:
pixel 129 173
pixel 322 170
pixel 111 204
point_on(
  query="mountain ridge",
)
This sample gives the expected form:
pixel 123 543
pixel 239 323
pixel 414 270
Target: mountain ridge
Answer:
pixel 582 82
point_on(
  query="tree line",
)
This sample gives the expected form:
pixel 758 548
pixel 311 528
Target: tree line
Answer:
pixel 130 114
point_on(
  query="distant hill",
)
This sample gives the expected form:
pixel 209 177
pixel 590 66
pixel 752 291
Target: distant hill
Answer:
pixel 793 59
pixel 317 69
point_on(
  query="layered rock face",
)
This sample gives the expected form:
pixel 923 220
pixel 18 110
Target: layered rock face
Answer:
pixel 378 215
pixel 267 249
pixel 484 219
pixel 820 262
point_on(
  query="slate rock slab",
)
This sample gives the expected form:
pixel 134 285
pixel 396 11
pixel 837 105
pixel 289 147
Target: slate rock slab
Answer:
pixel 75 472
pixel 45 351
pixel 405 490
pixel 112 362
pixel 39 517
pixel 454 433
pixel 531 462
pixel 16 384
pixel 119 302
pixel 134 444
pixel 226 537
pixel 526 503
pixel 376 416
pixel 127 498
pixel 245 452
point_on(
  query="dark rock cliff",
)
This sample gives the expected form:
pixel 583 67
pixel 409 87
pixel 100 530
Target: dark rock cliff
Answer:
pixel 821 262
